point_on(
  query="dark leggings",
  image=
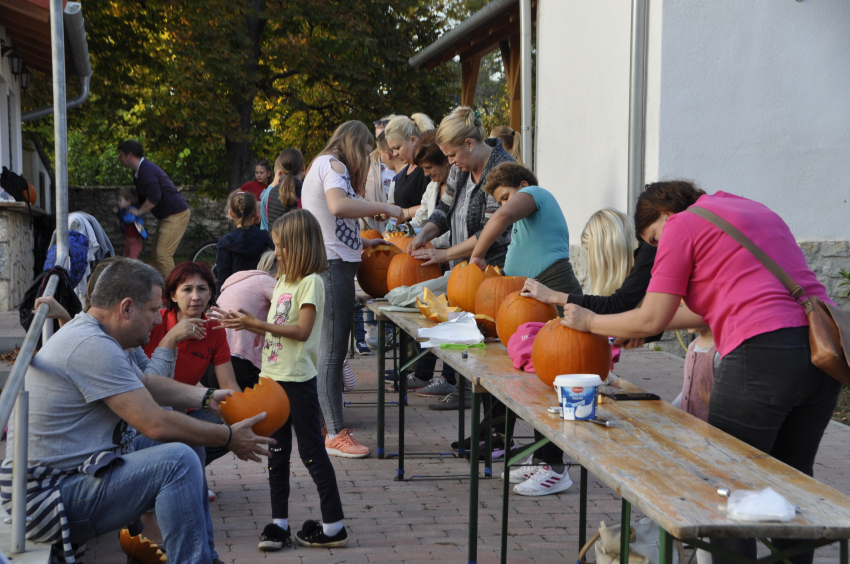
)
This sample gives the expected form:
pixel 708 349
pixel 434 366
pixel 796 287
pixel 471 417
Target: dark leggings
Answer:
pixel 305 418
pixel 336 328
pixel 768 394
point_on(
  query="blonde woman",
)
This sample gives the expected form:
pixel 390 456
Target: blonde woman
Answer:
pixel 334 180
pixel 403 137
pixel 465 208
pixel 619 274
pixel 511 141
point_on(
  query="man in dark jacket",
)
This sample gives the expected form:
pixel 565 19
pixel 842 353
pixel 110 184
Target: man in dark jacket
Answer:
pixel 157 195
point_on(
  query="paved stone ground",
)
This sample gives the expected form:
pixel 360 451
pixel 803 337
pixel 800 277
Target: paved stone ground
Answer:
pixel 424 521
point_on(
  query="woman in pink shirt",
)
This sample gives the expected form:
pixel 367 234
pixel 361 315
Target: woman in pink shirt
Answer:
pixel 767 392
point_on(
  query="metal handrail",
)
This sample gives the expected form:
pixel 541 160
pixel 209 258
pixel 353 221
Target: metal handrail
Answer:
pixel 14 393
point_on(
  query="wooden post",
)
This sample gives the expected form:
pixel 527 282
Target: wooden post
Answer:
pixel 469 79
pixel 513 84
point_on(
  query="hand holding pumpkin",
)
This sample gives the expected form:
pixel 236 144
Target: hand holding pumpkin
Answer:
pixel 430 256
pixel 245 444
pixel 578 318
pixel 218 397
pixel 536 290
pixel 479 262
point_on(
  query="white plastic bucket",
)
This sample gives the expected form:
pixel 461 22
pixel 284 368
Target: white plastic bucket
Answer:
pixel 577 395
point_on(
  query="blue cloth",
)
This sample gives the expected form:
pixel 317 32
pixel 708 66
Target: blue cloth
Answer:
pixel 138 220
pixel 540 239
pixel 169 477
pixel 78 245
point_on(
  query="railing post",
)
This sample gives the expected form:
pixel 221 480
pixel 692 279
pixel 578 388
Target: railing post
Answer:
pixel 60 127
pixel 19 474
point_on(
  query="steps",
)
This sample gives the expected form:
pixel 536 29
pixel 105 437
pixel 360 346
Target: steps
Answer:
pixel 11 333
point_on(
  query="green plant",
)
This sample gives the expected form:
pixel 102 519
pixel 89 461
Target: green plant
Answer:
pixel 846 282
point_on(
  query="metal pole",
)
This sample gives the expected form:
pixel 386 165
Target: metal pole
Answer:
pixel 60 127
pixel 637 102
pixel 525 81
pixel 19 474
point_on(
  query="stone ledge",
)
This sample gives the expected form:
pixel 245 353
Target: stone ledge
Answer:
pixel 21 207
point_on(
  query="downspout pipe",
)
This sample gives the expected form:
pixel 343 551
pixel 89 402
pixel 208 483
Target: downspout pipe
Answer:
pixel 637 103
pixel 525 81
pixel 75 33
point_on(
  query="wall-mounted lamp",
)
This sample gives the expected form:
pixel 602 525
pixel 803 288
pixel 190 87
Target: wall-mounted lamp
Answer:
pixel 25 78
pixel 16 62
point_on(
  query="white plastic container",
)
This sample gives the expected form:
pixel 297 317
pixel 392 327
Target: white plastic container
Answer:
pixel 577 395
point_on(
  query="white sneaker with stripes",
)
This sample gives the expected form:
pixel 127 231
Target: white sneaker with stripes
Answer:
pixel 544 481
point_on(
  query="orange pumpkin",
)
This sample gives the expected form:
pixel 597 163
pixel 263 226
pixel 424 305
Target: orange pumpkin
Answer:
pixel 402 241
pixel 489 297
pixel 30 194
pixel 406 271
pixel 560 350
pixel 516 310
pixel 372 273
pixel 370 234
pixel 141 548
pixel 464 283
pixel 266 396
pixel 435 308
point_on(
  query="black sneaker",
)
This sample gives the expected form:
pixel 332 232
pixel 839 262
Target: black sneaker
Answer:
pixel 451 402
pixel 312 535
pixel 274 538
pixel 497 444
pixel 362 348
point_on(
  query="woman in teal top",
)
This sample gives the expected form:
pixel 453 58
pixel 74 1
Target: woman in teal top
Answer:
pixel 540 240
pixel 539 249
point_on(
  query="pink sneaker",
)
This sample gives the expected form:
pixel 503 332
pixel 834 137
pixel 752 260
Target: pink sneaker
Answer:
pixel 346 446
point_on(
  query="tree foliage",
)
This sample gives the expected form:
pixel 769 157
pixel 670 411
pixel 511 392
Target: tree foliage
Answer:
pixel 208 87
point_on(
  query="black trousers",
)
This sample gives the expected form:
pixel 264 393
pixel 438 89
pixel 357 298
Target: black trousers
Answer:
pixel 768 394
pixel 305 417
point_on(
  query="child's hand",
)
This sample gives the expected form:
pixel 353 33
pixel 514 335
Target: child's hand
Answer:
pixel 239 320
pixel 217 314
pixel 479 262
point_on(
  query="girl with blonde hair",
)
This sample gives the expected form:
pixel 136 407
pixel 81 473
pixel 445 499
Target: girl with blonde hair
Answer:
pixel 335 178
pixel 403 137
pixel 609 238
pixel 511 141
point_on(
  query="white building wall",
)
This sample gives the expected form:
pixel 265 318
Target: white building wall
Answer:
pixel 753 98
pixel 583 105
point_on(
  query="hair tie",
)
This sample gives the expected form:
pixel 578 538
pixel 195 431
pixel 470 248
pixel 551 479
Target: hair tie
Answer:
pixel 476 120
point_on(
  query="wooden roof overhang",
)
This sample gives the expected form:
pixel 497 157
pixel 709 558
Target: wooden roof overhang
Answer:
pixel 27 24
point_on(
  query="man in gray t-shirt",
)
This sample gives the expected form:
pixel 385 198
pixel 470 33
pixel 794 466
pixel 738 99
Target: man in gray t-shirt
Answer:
pixel 86 398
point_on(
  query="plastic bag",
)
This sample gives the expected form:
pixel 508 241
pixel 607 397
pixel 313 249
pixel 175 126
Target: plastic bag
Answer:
pixel 405 296
pixel 461 331
pixel 764 505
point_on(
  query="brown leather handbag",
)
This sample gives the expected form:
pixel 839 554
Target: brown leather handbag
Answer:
pixel 829 326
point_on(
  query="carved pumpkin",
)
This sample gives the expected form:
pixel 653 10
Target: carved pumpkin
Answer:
pixel 435 308
pixel 266 396
pixel 516 310
pixel 464 283
pixel 407 271
pixel 370 234
pixel 560 350
pixel 141 548
pixel 403 241
pixel 372 273
pixel 489 297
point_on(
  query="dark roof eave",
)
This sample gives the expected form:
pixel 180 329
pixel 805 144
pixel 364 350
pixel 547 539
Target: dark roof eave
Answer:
pixel 454 36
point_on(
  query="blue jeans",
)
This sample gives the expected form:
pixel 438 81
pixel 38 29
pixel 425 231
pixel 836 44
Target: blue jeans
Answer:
pixel 166 477
pixel 362 317
pixel 211 454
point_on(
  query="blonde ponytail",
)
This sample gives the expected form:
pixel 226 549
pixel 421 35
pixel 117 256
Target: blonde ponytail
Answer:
pixel 402 128
pixel 609 238
pixel 511 141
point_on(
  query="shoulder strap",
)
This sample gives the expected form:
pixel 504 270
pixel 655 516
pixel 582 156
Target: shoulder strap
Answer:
pixel 761 256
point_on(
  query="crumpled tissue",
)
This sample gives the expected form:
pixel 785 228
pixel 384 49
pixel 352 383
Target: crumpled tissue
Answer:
pixel 764 505
pixel 460 331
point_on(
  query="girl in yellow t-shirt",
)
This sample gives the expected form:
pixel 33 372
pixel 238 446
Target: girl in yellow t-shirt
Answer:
pixel 290 356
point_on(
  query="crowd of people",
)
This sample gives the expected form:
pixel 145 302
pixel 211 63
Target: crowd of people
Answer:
pixel 116 391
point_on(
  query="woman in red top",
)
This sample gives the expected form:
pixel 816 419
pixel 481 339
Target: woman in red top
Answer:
pixel 188 292
pixel 262 178
pixel 767 392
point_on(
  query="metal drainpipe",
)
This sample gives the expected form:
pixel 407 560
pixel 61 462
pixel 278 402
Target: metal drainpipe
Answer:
pixel 525 81
pixel 637 103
